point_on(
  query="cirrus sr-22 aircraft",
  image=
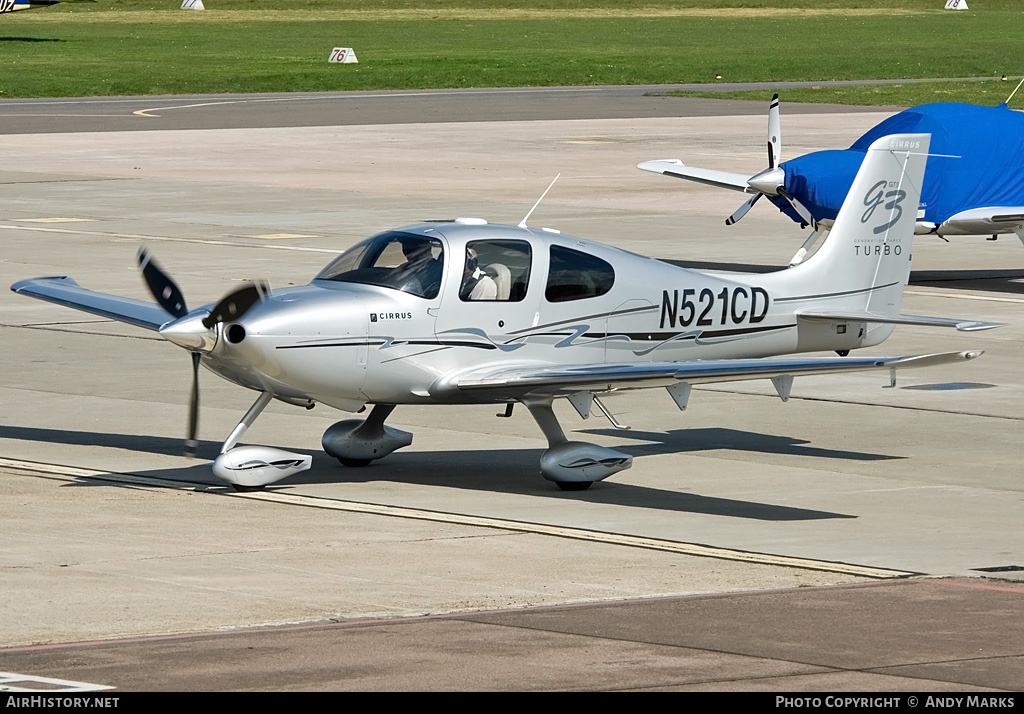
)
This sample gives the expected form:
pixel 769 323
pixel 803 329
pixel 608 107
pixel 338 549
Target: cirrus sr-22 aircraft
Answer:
pixel 974 181
pixel 466 312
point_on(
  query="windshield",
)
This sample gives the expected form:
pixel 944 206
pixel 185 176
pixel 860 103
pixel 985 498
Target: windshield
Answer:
pixel 404 261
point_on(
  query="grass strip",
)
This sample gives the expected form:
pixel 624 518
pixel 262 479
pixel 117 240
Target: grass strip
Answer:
pixel 129 47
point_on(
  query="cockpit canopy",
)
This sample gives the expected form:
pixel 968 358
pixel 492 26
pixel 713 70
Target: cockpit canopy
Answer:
pixel 492 264
pixel 395 259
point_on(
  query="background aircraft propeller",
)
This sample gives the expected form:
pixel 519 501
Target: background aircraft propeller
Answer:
pixel 169 296
pixel 772 181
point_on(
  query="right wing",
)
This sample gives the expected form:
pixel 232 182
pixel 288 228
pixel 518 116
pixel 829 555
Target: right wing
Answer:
pixel 65 291
pixel 711 177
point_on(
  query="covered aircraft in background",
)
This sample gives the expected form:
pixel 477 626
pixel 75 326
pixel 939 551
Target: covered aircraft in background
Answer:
pixel 12 5
pixel 974 184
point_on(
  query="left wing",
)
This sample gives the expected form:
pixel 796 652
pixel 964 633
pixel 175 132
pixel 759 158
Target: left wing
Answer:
pixel 524 381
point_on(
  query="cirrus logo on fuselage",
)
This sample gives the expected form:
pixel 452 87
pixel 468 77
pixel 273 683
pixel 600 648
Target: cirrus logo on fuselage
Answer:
pixel 389 316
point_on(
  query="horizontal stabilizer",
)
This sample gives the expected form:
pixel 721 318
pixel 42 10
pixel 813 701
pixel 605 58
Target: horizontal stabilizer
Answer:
pixel 711 177
pixel 834 315
pixel 63 290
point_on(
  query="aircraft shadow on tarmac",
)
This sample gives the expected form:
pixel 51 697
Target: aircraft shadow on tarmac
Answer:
pixel 1003 280
pixel 130 442
pixel 512 471
pixel 677 441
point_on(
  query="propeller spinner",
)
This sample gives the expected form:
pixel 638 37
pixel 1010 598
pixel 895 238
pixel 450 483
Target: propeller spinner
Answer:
pixel 196 333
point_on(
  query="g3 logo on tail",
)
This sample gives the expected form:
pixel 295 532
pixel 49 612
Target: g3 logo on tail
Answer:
pixel 875 196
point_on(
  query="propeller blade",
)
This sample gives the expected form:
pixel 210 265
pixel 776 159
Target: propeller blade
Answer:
pixel 800 208
pixel 235 304
pixel 191 442
pixel 742 210
pixel 774 134
pixel 168 295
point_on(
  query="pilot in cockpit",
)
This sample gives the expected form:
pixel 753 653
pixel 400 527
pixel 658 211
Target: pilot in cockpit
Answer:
pixel 420 267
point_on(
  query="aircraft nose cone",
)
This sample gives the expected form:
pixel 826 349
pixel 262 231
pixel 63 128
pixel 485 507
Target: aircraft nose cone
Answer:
pixel 768 181
pixel 190 333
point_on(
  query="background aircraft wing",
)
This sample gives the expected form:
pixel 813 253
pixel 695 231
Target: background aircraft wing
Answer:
pixel 519 381
pixel 675 167
pixel 989 219
pixel 65 291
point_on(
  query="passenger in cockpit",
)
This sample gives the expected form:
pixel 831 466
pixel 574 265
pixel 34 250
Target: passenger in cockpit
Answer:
pixel 476 284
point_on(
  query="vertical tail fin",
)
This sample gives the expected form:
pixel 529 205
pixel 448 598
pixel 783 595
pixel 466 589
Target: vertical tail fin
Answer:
pixel 865 260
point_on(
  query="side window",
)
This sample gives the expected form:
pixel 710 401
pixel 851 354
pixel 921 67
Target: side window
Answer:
pixel 575 276
pixel 496 270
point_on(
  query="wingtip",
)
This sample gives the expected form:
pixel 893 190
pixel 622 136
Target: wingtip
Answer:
pixel 22 285
pixel 975 325
pixel 658 165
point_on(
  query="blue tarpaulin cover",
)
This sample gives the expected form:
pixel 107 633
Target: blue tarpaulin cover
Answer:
pixel 989 142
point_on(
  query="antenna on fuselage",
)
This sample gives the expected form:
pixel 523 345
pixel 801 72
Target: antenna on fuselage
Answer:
pixel 522 223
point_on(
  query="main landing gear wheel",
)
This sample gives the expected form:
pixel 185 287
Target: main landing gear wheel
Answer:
pixel 573 465
pixel 356 442
pixel 354 463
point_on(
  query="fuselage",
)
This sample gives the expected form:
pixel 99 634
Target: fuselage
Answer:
pixel 349 337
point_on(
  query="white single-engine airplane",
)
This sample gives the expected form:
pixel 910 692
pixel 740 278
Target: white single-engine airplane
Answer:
pixel 465 312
